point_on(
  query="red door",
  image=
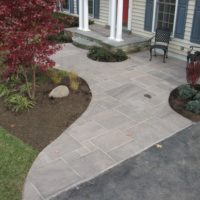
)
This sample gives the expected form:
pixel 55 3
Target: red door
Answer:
pixel 125 12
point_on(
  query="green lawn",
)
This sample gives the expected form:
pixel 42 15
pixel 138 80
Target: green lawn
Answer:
pixel 15 160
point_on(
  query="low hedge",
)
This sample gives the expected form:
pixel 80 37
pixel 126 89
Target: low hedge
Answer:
pixel 104 55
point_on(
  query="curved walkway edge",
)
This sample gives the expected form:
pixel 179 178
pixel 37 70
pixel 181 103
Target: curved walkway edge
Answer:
pixel 129 113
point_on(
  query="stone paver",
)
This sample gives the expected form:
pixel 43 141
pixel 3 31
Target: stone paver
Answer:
pixel 120 122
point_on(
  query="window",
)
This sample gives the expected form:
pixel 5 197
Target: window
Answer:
pixel 165 14
pixel 91 7
pixel 66 5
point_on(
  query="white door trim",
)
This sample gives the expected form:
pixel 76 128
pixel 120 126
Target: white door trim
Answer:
pixel 130 8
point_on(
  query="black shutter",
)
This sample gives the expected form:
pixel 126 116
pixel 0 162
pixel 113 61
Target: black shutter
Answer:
pixel 181 18
pixel 71 9
pixel 148 15
pixel 195 35
pixel 96 9
pixel 77 6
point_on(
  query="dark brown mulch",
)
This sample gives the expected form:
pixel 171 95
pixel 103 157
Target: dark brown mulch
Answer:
pixel 49 118
pixel 178 105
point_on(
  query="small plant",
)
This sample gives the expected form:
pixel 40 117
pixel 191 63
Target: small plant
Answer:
pixel 23 89
pixel 60 38
pixel 120 55
pixel 4 91
pixel 74 82
pixel 197 96
pixel 104 55
pixel 193 106
pixel 100 54
pixel 186 92
pixel 54 76
pixel 62 73
pixel 17 103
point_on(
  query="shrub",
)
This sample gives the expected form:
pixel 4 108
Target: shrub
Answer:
pixel 4 91
pixel 60 38
pixel 193 106
pixel 120 55
pixel 74 82
pixel 100 54
pixel 197 96
pixel 56 76
pixel 104 55
pixel 68 20
pixel 186 92
pixel 17 103
pixel 23 89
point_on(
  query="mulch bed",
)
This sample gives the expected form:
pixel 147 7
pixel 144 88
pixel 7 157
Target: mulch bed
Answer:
pixel 178 105
pixel 49 118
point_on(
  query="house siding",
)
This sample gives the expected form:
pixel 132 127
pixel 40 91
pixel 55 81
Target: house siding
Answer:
pixel 176 44
pixel 104 13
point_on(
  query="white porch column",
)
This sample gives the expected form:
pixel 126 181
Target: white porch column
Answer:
pixel 113 20
pixel 86 16
pixel 81 26
pixel 119 20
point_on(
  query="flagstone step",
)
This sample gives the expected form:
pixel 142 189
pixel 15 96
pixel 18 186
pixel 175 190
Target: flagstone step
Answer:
pixel 84 43
pixel 99 36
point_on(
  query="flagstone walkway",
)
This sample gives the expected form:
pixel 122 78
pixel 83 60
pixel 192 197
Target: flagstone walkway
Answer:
pixel 129 113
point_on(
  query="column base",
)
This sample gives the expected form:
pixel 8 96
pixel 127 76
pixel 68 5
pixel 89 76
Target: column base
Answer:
pixel 119 40
pixel 111 38
pixel 86 30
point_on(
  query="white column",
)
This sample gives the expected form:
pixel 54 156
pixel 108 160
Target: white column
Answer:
pixel 86 16
pixel 113 20
pixel 81 26
pixel 119 20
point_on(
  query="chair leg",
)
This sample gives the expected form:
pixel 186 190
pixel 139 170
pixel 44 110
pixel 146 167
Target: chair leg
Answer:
pixel 150 55
pixel 154 52
pixel 167 54
pixel 164 56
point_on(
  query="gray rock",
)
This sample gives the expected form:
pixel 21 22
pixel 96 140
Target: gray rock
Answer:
pixel 59 92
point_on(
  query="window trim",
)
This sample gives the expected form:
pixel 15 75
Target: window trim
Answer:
pixel 67 10
pixel 154 17
pixel 91 16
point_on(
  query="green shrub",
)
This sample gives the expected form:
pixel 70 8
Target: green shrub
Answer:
pixel 63 74
pixel 100 54
pixel 104 55
pixel 17 103
pixel 120 55
pixel 193 106
pixel 68 20
pixel 4 91
pixel 23 89
pixel 197 96
pixel 186 92
pixel 60 38
pixel 74 81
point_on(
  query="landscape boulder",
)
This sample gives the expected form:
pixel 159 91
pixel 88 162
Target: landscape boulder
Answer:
pixel 59 92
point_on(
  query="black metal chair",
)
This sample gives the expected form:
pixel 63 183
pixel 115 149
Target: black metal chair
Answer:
pixel 193 55
pixel 162 38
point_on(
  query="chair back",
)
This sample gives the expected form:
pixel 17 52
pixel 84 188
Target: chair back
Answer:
pixel 162 35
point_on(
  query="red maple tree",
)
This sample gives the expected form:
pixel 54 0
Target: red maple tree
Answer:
pixel 24 28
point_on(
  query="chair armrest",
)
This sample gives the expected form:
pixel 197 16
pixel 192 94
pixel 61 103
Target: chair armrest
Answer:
pixel 151 38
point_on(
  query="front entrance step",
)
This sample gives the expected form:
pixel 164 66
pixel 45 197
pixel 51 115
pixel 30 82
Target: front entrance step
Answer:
pixel 84 43
pixel 99 36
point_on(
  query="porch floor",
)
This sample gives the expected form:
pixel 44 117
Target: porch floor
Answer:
pixel 100 35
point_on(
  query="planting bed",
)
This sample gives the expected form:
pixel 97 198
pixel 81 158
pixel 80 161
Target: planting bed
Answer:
pixel 179 104
pixel 49 118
